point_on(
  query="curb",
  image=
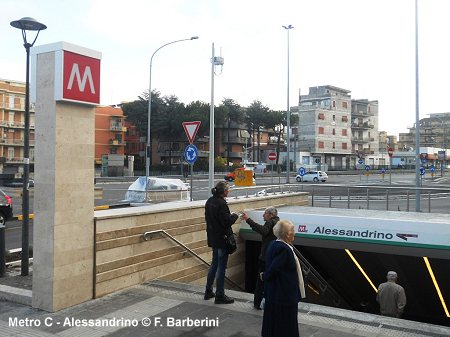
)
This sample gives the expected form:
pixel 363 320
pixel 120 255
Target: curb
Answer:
pixel 15 295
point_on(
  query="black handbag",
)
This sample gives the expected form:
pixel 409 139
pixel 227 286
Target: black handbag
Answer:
pixel 230 242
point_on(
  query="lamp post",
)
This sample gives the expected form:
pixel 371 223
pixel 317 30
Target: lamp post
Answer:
pixel 417 108
pixel 148 148
pixel 288 112
pixel 215 61
pixel 25 24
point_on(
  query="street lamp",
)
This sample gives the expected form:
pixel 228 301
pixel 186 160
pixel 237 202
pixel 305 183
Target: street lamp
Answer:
pixel 215 61
pixel 25 24
pixel 148 148
pixel 288 111
pixel 417 108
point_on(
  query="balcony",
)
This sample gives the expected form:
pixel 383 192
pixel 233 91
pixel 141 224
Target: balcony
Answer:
pixel 117 142
pixel 17 160
pixel 14 142
pixel 15 107
pixel 234 154
pixel 364 125
pixel 232 139
pixel 117 127
pixel 361 113
pixel 360 139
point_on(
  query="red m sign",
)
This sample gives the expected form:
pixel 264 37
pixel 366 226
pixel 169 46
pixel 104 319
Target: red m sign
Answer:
pixel 81 79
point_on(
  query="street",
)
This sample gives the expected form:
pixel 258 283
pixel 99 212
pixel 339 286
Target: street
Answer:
pixel 334 191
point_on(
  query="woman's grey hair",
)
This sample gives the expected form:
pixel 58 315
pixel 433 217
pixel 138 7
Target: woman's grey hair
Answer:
pixel 272 211
pixel 281 229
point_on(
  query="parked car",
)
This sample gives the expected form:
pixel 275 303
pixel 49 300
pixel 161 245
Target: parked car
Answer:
pixel 6 208
pixel 314 176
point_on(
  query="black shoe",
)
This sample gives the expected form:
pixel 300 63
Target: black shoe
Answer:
pixel 257 307
pixel 209 294
pixel 223 300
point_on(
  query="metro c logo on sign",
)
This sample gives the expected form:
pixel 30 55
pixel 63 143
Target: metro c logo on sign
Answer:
pixel 81 80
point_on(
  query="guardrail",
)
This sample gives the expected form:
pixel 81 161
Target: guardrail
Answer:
pixel 148 235
pixel 353 194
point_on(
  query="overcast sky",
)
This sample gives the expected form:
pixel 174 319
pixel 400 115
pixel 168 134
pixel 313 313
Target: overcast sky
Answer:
pixel 365 46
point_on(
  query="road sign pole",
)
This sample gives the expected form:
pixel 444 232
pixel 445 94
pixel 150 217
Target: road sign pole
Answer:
pixel 271 173
pixel 192 171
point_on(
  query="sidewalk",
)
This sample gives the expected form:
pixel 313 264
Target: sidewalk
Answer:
pixel 162 309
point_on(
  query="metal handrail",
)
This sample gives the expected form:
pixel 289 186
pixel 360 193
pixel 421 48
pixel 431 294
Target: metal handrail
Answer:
pixel 323 284
pixel 147 236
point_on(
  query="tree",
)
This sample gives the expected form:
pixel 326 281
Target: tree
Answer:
pixel 168 122
pixel 277 121
pixel 256 118
pixel 198 111
pixel 136 111
pixel 229 112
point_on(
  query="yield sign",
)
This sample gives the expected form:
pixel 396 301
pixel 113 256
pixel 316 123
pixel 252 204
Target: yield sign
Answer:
pixel 191 129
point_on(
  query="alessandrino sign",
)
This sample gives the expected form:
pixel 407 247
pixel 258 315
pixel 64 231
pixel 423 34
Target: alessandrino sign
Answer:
pixel 388 228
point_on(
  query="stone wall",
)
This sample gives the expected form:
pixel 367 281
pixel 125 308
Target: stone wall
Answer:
pixel 124 259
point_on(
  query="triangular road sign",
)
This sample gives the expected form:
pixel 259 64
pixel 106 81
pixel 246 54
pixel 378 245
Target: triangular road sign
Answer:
pixel 191 129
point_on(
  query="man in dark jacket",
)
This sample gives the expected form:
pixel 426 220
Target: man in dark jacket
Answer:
pixel 218 224
pixel 270 217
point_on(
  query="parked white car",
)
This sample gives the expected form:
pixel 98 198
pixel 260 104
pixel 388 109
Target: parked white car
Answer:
pixel 314 176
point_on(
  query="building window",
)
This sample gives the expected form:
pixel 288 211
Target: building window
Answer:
pixel 321 145
pixel 10 153
pixel 344 105
pixel 321 130
pixel 344 132
pixel 344 119
pixel 334 104
pixel 334 132
pixel 11 101
pixel 334 145
pixel 321 116
pixel 344 146
pixel 334 118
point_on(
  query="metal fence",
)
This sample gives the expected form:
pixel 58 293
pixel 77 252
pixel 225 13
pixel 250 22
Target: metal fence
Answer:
pixel 388 198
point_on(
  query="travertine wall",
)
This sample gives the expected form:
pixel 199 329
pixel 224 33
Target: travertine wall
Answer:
pixel 124 258
pixel 63 233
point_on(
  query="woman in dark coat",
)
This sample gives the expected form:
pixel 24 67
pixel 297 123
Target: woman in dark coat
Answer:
pixel 218 224
pixel 283 284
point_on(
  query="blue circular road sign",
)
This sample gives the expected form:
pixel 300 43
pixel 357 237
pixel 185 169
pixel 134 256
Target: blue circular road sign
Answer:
pixel 367 167
pixel 383 170
pixel 301 171
pixel 422 170
pixel 360 161
pixel 191 154
pixel 432 168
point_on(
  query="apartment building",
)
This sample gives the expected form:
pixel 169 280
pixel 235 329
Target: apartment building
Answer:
pixel 325 125
pixel 12 128
pixel 109 140
pixel 365 136
pixel 433 132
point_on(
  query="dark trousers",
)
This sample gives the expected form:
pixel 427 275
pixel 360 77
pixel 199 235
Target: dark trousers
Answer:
pixel 217 271
pixel 259 288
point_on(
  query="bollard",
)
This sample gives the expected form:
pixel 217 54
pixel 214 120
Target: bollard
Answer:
pixel 2 251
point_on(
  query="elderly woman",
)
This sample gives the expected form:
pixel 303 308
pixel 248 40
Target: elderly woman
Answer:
pixel 283 284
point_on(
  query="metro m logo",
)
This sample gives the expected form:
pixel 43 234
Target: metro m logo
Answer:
pixel 81 80
pixel 81 83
